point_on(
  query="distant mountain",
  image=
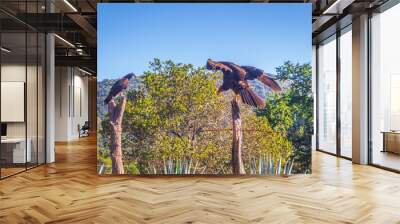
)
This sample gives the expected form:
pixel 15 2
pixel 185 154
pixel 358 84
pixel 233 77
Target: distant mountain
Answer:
pixel 103 87
pixel 260 89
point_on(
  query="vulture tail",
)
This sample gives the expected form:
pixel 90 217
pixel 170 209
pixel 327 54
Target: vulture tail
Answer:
pixel 250 98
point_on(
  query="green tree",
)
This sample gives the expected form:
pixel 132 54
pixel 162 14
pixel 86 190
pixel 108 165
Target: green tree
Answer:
pixel 176 123
pixel 291 112
pixel 165 118
pixel 261 141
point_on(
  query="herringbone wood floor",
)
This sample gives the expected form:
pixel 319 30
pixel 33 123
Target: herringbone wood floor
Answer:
pixel 69 191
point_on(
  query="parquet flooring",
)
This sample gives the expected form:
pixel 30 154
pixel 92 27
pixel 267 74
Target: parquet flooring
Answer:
pixel 10 171
pixel 69 191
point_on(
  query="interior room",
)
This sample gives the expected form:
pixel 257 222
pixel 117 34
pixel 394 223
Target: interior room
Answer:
pixel 54 168
pixel 72 112
pixel 384 89
pixel 22 103
pixel 29 102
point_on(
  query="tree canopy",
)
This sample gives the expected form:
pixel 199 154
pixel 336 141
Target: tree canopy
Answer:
pixel 176 123
pixel 292 111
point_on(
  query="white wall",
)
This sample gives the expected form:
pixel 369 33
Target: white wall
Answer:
pixel 34 124
pixel 71 102
pixel 80 103
pixel 9 73
pixel 16 73
pixel 61 104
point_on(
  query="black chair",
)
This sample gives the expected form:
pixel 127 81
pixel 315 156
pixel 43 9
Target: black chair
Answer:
pixel 84 130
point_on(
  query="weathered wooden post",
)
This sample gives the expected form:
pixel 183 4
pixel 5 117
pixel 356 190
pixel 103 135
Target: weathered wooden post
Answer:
pixel 237 162
pixel 116 113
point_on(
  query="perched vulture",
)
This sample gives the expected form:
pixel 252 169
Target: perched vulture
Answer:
pixel 235 78
pixel 118 87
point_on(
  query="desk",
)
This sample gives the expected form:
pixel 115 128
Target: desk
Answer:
pixel 13 150
pixel 391 141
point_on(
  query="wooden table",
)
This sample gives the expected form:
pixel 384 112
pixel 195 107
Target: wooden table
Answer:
pixel 391 141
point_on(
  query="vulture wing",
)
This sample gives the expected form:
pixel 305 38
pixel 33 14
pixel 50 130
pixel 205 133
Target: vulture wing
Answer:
pixel 255 73
pixel 236 69
pixel 249 96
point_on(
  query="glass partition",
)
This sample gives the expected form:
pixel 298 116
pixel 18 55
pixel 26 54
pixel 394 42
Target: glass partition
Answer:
pixel 346 92
pixel 31 97
pixel 327 95
pixel 13 86
pixel 385 89
pixel 41 97
pixel 22 89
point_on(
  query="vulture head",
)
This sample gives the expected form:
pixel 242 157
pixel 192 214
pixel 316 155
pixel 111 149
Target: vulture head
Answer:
pixel 211 65
pixel 215 65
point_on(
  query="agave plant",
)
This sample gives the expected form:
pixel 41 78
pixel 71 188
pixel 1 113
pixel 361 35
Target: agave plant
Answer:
pixel 104 165
pixel 267 166
pixel 177 167
pixel 101 169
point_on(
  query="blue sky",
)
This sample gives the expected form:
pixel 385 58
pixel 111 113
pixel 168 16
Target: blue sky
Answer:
pixel 262 35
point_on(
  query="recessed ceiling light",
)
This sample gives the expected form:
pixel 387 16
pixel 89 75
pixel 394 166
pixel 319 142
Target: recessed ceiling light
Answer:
pixel 5 50
pixel 70 5
pixel 65 41
pixel 84 71
pixel 338 6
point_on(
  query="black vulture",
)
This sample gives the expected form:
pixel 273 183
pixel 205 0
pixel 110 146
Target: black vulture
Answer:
pixel 235 78
pixel 118 87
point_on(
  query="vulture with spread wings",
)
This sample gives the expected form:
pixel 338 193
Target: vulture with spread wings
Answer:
pixel 118 87
pixel 235 78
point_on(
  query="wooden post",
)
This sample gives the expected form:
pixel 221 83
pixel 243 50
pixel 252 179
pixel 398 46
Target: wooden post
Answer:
pixel 116 113
pixel 237 163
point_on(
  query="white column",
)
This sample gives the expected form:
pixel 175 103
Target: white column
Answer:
pixel 360 90
pixel 314 93
pixel 50 100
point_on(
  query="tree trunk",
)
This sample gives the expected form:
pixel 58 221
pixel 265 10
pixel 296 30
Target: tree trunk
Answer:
pixel 237 163
pixel 116 113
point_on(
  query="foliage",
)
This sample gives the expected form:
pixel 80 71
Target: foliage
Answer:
pixel 291 112
pixel 132 168
pixel 176 123
pixel 103 160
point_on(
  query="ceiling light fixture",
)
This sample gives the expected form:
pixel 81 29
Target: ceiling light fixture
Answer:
pixel 80 51
pixel 84 71
pixel 337 7
pixel 64 40
pixel 5 50
pixel 331 7
pixel 70 5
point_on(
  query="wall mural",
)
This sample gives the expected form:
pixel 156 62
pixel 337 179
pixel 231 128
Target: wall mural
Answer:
pixel 204 89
